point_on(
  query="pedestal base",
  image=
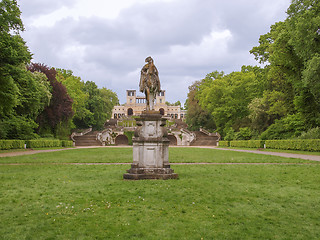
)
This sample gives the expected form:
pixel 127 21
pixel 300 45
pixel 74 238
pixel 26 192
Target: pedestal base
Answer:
pixel 150 173
pixel 150 150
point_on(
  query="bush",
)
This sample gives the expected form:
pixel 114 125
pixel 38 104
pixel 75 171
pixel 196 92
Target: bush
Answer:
pixel 224 144
pixel 129 135
pixel 43 143
pixel 312 145
pixel 247 144
pixel 67 143
pixel 243 134
pixel 313 133
pixel 230 134
pixel 288 127
pixel 11 144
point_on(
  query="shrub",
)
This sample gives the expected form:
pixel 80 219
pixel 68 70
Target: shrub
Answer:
pixel 224 143
pixel 67 143
pixel 247 144
pixel 302 145
pixel 230 134
pixel 11 144
pixel 43 143
pixel 129 135
pixel 313 133
pixel 243 134
pixel 288 127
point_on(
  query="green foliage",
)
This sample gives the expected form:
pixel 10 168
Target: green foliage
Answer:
pixel 248 144
pixel 75 88
pixel 100 103
pixel 292 49
pixel 224 143
pixel 227 97
pixel 17 127
pixel 66 143
pixel 11 144
pixel 41 143
pixel 230 134
pixel 313 133
pixel 288 127
pixel 312 145
pixel 129 135
pixel 243 134
pixel 197 116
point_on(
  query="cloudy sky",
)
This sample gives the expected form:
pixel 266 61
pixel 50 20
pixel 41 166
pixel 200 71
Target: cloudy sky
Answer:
pixel 107 41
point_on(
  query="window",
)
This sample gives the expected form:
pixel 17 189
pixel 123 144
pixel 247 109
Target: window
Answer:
pixel 160 100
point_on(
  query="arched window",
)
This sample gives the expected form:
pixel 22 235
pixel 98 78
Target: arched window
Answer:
pixel 130 111
pixel 161 111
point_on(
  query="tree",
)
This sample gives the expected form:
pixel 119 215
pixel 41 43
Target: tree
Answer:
pixel 14 54
pixel 196 116
pixel 59 112
pixel 23 94
pixel 227 98
pixel 100 104
pixel 75 89
pixel 292 49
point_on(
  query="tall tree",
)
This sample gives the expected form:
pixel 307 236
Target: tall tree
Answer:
pixel 14 54
pixel 60 109
pixel 227 98
pixel 75 88
pixel 197 116
pixel 100 104
pixel 292 50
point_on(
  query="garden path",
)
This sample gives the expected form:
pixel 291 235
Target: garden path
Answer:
pixel 280 154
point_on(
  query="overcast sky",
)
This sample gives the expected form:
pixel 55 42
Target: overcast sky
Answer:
pixel 107 41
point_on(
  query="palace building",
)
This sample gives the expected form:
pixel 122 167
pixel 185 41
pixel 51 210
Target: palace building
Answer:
pixel 135 105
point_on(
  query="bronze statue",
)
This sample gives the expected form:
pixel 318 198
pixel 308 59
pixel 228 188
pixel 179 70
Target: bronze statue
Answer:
pixel 149 82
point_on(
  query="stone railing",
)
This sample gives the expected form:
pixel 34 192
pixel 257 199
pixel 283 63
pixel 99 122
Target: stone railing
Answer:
pixel 210 134
pixel 75 134
pixel 189 133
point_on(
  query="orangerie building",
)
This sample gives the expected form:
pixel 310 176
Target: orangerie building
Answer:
pixel 135 105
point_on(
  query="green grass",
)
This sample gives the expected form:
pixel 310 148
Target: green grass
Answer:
pixel 124 155
pixel 206 202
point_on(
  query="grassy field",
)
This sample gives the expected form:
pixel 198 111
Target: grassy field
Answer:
pixel 49 201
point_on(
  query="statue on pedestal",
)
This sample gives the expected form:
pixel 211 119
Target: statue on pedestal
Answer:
pixel 150 142
pixel 149 83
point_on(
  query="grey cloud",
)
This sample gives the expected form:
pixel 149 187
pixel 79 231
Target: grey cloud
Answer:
pixel 109 51
pixel 40 7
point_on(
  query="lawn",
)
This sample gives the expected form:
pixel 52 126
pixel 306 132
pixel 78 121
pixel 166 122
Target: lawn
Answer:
pixel 50 201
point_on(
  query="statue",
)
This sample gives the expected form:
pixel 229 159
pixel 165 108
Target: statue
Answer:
pixel 149 82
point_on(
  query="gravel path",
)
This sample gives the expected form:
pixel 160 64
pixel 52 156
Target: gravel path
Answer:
pixel 288 155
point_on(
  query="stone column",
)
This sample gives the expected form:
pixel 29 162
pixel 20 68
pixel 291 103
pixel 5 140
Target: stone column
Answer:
pixel 150 149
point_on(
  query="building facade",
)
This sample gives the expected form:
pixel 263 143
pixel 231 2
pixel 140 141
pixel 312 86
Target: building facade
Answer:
pixel 135 105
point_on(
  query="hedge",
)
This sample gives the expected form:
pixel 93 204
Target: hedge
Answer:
pixel 312 145
pixel 67 143
pixel 11 144
pixel 224 144
pixel 43 143
pixel 247 144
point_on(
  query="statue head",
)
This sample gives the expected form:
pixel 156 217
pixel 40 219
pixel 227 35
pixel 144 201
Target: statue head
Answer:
pixel 149 60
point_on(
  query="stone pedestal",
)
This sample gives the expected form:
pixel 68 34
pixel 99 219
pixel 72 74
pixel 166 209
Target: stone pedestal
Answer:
pixel 150 149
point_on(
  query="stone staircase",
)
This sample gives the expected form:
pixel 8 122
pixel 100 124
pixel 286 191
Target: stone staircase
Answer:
pixel 203 139
pixel 88 139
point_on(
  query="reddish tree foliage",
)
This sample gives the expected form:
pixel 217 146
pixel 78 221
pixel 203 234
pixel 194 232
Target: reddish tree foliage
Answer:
pixel 60 108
